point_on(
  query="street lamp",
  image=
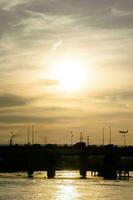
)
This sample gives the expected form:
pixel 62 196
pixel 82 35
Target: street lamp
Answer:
pixel 11 138
pixel 71 137
pixel 124 136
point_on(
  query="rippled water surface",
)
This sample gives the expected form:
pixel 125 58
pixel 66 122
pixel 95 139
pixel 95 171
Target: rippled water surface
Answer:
pixel 66 186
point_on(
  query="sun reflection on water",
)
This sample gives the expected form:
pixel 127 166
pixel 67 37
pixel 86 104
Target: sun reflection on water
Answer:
pixel 67 174
pixel 66 192
pixel 63 189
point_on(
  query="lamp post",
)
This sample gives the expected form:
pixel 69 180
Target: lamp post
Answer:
pixel 11 138
pixel 81 137
pixel 28 136
pixel 124 136
pixel 110 135
pixel 88 140
pixel 71 133
pixel 103 137
pixel 45 140
pixel 32 134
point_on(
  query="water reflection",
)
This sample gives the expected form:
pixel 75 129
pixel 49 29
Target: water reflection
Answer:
pixel 67 174
pixel 66 191
pixel 63 188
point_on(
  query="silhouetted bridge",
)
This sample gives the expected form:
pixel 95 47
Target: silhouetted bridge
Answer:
pixel 108 161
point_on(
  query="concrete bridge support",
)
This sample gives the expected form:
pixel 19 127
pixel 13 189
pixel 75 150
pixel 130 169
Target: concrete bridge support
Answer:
pixel 110 164
pixel 30 173
pixel 83 173
pixel 51 162
pixel 83 166
pixel 51 173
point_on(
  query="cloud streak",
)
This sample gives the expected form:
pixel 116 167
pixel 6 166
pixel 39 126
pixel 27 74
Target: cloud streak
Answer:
pixel 10 100
pixel 8 5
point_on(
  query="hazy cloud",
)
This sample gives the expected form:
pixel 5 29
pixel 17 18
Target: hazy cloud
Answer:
pixel 9 100
pixel 48 82
pixel 8 5
pixel 57 45
pixel 114 95
pixel 25 119
pixel 120 13
pixel 35 119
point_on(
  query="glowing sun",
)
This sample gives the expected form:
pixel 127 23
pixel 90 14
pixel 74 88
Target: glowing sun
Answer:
pixel 70 74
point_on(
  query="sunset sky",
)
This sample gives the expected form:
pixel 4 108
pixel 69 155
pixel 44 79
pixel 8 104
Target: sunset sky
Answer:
pixel 66 65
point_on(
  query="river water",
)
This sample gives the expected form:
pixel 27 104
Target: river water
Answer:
pixel 66 186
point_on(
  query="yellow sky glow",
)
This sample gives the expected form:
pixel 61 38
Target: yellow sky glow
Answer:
pixel 71 74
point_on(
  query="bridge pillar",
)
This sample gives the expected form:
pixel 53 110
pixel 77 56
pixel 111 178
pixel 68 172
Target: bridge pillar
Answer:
pixel 51 161
pixel 110 164
pixel 30 173
pixel 83 166
pixel 51 173
pixel 83 173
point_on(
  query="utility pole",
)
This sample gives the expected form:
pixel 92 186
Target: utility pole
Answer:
pixel 110 135
pixel 124 136
pixel 81 137
pixel 71 133
pixel 88 140
pixel 45 140
pixel 28 135
pixel 103 136
pixel 32 134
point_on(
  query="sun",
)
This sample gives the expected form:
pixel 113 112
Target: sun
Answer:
pixel 70 74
